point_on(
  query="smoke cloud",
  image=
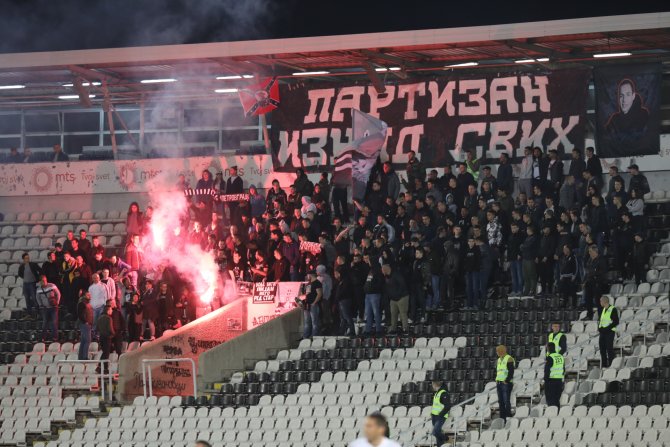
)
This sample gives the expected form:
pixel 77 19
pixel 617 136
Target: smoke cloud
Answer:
pixel 47 25
pixel 164 245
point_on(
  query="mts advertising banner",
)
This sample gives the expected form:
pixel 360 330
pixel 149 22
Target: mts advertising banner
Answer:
pixel 112 176
pixel 438 118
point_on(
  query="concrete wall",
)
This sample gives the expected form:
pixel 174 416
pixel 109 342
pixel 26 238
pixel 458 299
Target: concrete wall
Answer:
pixel 224 360
pixel 259 322
pixel 189 341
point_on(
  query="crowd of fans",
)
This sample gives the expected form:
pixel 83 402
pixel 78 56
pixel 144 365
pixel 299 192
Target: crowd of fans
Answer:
pixel 416 244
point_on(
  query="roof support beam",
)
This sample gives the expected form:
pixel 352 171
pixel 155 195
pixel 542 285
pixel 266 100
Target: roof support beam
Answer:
pixel 389 58
pixel 374 78
pixel 531 47
pixel 92 74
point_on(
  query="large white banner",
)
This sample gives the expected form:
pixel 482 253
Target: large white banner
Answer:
pixel 119 176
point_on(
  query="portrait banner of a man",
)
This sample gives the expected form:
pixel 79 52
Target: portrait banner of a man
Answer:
pixel 628 99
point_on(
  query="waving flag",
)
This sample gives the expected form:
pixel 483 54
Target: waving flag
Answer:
pixel 354 163
pixel 260 98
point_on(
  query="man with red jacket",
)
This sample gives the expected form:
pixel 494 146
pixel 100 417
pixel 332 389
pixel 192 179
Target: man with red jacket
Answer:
pixel 134 258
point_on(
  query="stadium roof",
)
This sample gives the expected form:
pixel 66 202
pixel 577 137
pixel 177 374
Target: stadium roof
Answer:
pixel 189 72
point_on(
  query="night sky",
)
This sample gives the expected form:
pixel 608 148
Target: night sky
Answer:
pixel 49 25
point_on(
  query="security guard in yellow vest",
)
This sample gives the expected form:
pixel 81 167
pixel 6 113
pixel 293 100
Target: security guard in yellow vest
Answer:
pixel 505 365
pixel 440 411
pixel 472 163
pixel 558 339
pixel 554 376
pixel 607 324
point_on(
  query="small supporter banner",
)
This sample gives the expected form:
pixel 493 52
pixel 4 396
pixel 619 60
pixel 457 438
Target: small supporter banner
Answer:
pixel 234 197
pixel 264 292
pixel 312 247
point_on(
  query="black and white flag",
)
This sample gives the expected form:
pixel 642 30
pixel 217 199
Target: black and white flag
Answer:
pixel 354 163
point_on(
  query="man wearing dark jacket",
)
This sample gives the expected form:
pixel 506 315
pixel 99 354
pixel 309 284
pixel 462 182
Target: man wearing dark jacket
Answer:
pixel 119 324
pixel 85 319
pixel 30 273
pixel 637 180
pixel 514 242
pixel 344 291
pixel 545 259
pixel 105 329
pixel 505 176
pixel 639 258
pixel 373 288
pixel 593 163
pixel 51 268
pixel 150 310
pixel 396 293
pixel 415 169
pixel 486 262
pixel 594 280
pixel 577 166
pixel 420 281
pixel 48 299
pixel 471 266
pixel 390 181
pixel 440 410
pixel 554 174
pixel 450 268
pixel 528 257
pixel 567 276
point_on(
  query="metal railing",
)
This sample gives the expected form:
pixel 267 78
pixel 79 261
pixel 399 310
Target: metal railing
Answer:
pixel 480 408
pixel 148 386
pixel 101 374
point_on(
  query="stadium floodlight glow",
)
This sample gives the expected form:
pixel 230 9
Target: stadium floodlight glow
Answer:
pixel 530 61
pixel 12 87
pixel 248 76
pixel 225 90
pixel 384 69
pixel 310 73
pixel 157 81
pixel 623 54
pixel 84 84
pixel 464 64
pixel 73 96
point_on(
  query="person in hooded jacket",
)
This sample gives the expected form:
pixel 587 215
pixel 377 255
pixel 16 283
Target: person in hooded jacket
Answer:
pixel 256 202
pixel 450 267
pixel 307 206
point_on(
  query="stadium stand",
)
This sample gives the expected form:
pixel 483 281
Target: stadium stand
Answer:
pixel 480 212
pixel 315 393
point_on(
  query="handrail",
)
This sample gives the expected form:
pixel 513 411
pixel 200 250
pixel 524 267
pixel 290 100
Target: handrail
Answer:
pixel 485 392
pixel 100 362
pixel 146 366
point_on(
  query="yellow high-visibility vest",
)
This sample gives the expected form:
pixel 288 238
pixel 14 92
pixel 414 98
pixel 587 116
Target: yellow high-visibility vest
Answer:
pixel 501 370
pixel 556 340
pixel 606 317
pixel 557 370
pixel 438 407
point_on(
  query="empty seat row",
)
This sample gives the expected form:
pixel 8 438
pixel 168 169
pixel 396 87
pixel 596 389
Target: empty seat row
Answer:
pixel 63 216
